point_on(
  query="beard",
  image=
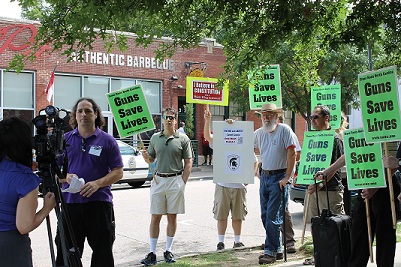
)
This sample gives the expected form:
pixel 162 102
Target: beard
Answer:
pixel 271 126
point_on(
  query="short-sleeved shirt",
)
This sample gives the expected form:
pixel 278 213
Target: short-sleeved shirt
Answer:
pixel 274 146
pixel 205 142
pixel 297 145
pixel 338 151
pixel 398 155
pixel 91 158
pixel 170 151
pixel 16 181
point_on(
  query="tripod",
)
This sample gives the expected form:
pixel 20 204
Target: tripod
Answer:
pixel 71 254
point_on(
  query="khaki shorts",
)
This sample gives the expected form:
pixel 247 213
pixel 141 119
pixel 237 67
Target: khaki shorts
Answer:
pixel 226 199
pixel 167 196
pixel 335 199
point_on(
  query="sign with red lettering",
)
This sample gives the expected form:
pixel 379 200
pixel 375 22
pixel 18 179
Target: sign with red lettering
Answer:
pixel 20 37
pixel 205 91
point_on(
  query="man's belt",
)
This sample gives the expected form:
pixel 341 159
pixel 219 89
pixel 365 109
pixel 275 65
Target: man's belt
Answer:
pixel 168 174
pixel 274 172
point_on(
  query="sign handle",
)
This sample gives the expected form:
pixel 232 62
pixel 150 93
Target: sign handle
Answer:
pixel 305 216
pixel 369 229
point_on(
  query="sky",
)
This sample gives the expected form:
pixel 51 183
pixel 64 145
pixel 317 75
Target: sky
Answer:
pixel 10 9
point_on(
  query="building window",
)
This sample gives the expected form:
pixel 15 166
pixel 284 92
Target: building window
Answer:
pixel 152 92
pixel 217 110
pixel 97 88
pixel 117 84
pixel 234 111
pixel 17 92
pixel 67 90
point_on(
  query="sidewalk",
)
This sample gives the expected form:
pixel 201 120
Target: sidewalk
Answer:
pixel 206 173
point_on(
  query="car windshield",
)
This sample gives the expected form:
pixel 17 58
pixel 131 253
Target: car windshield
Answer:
pixel 125 149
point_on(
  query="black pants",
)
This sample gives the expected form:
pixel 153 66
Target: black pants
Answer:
pixel 15 249
pixel 347 198
pixel 94 221
pixel 381 227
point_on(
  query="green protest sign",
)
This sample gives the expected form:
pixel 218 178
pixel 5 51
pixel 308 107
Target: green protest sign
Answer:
pixel 130 110
pixel 265 86
pixel 363 160
pixel 315 156
pixel 379 101
pixel 329 96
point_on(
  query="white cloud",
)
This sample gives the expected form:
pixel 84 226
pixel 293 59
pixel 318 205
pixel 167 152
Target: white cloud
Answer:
pixel 10 9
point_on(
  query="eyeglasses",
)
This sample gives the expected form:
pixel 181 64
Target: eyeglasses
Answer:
pixel 83 148
pixel 268 115
pixel 169 117
pixel 315 117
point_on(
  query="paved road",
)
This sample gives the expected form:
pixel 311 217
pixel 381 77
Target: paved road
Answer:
pixel 196 231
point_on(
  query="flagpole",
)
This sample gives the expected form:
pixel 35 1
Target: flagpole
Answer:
pixel 49 91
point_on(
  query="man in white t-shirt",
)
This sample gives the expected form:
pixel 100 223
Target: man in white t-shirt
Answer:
pixel 276 145
pixel 181 129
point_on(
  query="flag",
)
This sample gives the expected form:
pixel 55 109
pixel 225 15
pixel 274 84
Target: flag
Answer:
pixel 50 88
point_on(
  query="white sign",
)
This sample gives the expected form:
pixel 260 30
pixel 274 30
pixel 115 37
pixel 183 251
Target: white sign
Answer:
pixel 101 58
pixel 233 156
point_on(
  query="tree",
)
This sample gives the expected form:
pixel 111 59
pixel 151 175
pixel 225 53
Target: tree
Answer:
pixel 313 40
pixel 303 65
pixel 189 123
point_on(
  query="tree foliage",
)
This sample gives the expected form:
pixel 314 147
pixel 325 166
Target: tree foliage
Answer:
pixel 189 123
pixel 316 42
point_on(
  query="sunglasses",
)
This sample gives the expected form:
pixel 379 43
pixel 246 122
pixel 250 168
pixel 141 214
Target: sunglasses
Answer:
pixel 315 117
pixel 169 117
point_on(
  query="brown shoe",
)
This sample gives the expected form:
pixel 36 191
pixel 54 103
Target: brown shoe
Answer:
pixel 279 256
pixel 266 259
pixel 291 249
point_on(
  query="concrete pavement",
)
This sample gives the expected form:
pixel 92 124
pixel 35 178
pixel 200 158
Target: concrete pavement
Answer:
pixel 206 173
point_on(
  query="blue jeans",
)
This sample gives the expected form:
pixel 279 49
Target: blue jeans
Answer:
pixel 271 204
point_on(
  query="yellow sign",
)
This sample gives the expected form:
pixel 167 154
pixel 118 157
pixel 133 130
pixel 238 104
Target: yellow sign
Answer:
pixel 205 91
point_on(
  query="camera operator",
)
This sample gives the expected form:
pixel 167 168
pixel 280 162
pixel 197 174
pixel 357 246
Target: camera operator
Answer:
pixel 94 156
pixel 18 194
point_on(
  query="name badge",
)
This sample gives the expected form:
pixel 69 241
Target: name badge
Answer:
pixel 95 150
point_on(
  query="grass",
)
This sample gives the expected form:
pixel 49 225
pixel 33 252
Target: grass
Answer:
pixel 307 247
pixel 208 259
pixel 230 257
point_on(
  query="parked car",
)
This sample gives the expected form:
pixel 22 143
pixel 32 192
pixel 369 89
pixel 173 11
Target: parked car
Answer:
pixel 136 170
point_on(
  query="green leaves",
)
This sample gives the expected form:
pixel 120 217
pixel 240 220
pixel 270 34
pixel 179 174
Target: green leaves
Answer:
pixel 314 41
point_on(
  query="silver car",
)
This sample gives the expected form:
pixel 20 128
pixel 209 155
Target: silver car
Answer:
pixel 136 170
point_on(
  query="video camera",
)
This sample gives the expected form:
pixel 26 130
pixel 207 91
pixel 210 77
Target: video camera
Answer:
pixel 49 140
pixel 49 143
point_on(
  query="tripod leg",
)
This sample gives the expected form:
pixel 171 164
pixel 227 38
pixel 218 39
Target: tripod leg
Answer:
pixel 49 233
pixel 61 240
pixel 67 244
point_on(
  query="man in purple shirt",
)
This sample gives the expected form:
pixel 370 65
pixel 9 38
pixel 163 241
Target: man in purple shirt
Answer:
pixel 94 156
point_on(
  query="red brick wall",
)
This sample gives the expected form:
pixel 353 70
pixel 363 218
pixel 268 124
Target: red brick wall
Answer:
pixel 17 32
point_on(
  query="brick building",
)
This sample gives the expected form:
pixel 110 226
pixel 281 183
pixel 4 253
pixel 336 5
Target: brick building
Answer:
pixel 100 72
